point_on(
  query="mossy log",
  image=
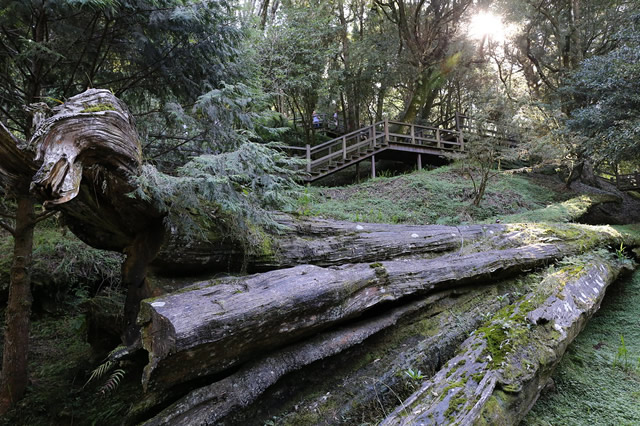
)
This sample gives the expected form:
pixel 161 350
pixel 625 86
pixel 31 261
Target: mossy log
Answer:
pixel 218 324
pixel 500 370
pixel 319 242
pixel 450 314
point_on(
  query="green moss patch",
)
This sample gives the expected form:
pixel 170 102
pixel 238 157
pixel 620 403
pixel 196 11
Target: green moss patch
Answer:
pixel 590 386
pixel 100 107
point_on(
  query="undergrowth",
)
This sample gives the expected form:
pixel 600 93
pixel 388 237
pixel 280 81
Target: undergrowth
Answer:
pixel 65 270
pixel 66 274
pixel 440 196
pixel 60 364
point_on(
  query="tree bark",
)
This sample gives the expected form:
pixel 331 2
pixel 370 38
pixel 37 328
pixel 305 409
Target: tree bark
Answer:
pixel 14 377
pixel 228 396
pixel 319 242
pixel 231 395
pixel 230 319
pixel 475 387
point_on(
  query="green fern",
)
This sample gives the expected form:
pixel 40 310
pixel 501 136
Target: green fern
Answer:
pixel 112 383
pixel 100 371
pixel 109 363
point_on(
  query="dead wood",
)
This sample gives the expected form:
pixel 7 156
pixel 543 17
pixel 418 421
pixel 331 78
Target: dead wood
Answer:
pixel 219 323
pixel 499 372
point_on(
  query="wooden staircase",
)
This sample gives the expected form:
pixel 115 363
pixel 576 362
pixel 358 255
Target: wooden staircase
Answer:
pixel 365 143
pixel 628 182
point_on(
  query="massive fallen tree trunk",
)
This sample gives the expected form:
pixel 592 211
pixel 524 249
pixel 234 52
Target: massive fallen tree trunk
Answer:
pixel 451 315
pixel 499 372
pixel 218 324
pixel 557 308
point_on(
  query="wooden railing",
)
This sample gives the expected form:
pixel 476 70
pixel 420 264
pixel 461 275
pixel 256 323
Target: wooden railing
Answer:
pixel 628 182
pixel 353 146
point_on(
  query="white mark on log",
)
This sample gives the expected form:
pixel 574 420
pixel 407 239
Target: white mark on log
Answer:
pixel 558 327
pixel 414 235
pixel 158 304
pixel 382 290
pixel 359 227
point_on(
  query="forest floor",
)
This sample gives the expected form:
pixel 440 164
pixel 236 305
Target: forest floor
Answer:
pixel 599 373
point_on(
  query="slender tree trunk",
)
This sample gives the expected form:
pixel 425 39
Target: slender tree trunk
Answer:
pixel 264 10
pixel 419 97
pixel 14 376
pixel 482 187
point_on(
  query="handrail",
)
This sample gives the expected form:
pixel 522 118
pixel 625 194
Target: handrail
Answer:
pixel 346 135
pixel 364 142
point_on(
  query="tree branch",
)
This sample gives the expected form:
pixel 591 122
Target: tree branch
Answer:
pixel 7 228
pixel 45 215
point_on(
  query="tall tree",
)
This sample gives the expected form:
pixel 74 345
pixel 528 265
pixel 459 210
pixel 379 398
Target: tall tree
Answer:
pixel 148 52
pixel 426 29
pixel 555 38
pixel 294 55
pixel 605 89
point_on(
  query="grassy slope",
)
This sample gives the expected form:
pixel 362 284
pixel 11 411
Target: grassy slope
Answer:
pixel 441 196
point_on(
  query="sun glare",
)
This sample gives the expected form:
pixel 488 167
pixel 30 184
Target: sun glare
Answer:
pixel 486 24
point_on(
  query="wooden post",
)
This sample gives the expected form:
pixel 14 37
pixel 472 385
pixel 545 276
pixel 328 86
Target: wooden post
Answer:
pixel 461 140
pixel 372 135
pixel 344 148
pixel 386 131
pixel 308 158
pixel 419 161
pixel 373 166
pixel 413 134
pixel 438 139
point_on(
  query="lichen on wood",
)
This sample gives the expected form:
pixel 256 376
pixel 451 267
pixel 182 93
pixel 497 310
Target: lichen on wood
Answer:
pixel 508 361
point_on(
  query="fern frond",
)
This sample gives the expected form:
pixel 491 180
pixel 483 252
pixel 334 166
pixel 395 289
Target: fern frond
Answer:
pixel 112 382
pixel 100 371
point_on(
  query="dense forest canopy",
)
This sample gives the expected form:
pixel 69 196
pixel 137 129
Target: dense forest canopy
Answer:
pixel 215 91
pixel 192 71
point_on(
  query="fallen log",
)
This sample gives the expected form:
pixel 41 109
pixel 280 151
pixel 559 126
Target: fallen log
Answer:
pixel 218 324
pixel 500 370
pixel 227 398
pixel 320 242
pixel 210 403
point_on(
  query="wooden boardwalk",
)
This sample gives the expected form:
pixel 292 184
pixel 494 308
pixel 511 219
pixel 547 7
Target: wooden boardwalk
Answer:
pixel 365 143
pixel 629 182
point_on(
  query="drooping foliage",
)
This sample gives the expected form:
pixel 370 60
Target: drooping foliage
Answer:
pixel 237 190
pixel 145 51
pixel 606 90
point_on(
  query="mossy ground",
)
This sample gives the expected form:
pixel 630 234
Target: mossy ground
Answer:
pixel 440 196
pixel 592 385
